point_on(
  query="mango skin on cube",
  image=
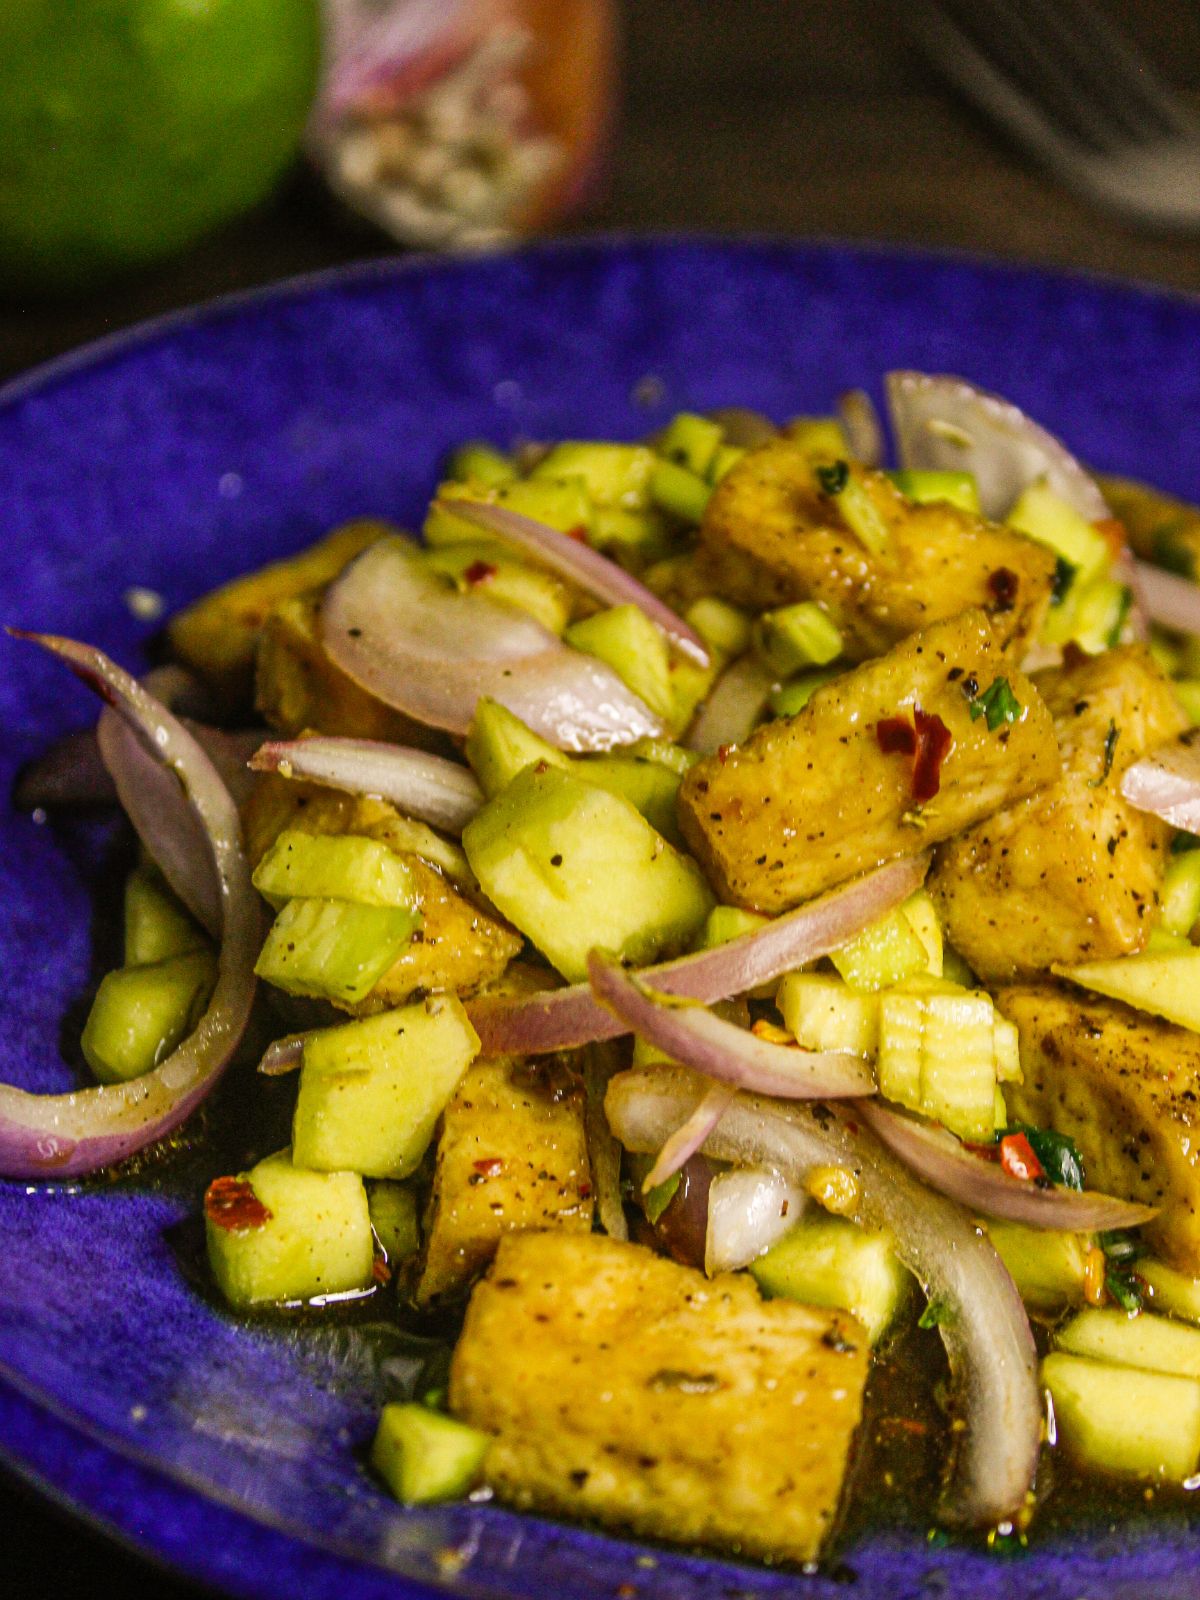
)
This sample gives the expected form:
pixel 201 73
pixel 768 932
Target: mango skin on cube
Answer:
pixel 371 1091
pixel 316 1241
pixel 575 867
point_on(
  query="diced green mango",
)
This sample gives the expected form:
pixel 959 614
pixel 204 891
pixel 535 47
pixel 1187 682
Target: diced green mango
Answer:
pixel 333 866
pixel 665 753
pixel 1179 896
pixel 499 745
pixel 690 684
pixel 886 952
pixel 726 458
pixel 818 436
pixel 1153 1343
pixel 633 647
pixel 615 475
pixel 1170 1290
pixel 1187 692
pixel 725 628
pixel 141 1013
pixel 1046 1266
pixel 480 462
pixel 393 1208
pixel 955 969
pixel 1093 615
pixel 1046 517
pixel 316 1241
pixel 954 488
pixel 156 924
pixel 424 1456
pixel 822 1012
pixel 937 1055
pixel 729 922
pixel 796 636
pixel 828 1261
pixel 648 785
pixel 1167 985
pixel 791 698
pixel 563 505
pixel 692 441
pixel 1138 1424
pixel 574 867
pixel 480 567
pixel 371 1091
pixel 921 916
pixel 678 492
pixel 334 949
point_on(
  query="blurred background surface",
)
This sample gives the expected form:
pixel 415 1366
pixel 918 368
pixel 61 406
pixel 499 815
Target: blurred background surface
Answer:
pixel 815 118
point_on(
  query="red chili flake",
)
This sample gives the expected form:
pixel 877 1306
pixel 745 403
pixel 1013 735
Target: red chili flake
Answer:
pixel 723 753
pixel 927 739
pixel 1017 1158
pixel 1003 585
pixel 480 572
pixel 934 744
pixel 896 737
pixel 578 533
pixel 1113 532
pixel 231 1203
pixel 585 1191
pixel 380 1270
pixel 490 1166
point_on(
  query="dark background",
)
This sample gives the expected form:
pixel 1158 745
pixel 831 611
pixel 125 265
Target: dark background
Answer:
pixel 781 116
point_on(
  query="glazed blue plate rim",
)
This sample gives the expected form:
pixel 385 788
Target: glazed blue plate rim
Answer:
pixel 46 1414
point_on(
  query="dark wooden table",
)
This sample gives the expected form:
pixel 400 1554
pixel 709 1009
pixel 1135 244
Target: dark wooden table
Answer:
pixel 809 118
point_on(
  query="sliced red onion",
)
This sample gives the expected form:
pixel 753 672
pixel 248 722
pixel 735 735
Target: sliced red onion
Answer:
pixel 947 424
pixel 949 1167
pixel 393 626
pixel 993 1361
pixel 734 706
pixel 690 1135
pixel 561 1019
pixel 61 1135
pixel 421 785
pixel 283 1056
pixel 861 425
pixel 592 572
pixel 1166 783
pixel 749 1210
pixel 1170 600
pixel 688 1033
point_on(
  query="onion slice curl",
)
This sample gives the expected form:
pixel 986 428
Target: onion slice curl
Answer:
pixel 983 1324
pixel 1166 783
pixel 1170 600
pixel 425 786
pixel 561 1019
pixel 982 1186
pixel 404 636
pixel 63 1135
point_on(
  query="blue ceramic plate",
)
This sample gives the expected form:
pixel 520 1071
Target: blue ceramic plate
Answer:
pixel 183 453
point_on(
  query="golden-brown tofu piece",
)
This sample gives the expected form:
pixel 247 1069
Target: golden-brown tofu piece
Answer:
pixel 1160 527
pixel 1126 1088
pixel 772 535
pixel 217 635
pixel 623 1388
pixel 512 1156
pixel 1071 874
pixel 813 799
pixel 460 946
pixel 297 687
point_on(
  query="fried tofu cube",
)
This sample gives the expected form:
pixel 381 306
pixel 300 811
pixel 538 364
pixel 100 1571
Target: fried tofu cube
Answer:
pixel 512 1156
pixel 1072 873
pixel 809 801
pixel 624 1388
pixel 298 688
pixel 774 534
pixel 217 635
pixel 1126 1088
pixel 461 944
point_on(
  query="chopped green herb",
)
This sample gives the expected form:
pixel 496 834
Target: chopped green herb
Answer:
pixel 833 479
pixel 1121 1246
pixel 1113 636
pixel 935 1314
pixel 1169 552
pixel 997 703
pixel 659 1198
pixel 1064 577
pixel 1110 744
pixel 1126 1290
pixel 1057 1153
pixel 1183 842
